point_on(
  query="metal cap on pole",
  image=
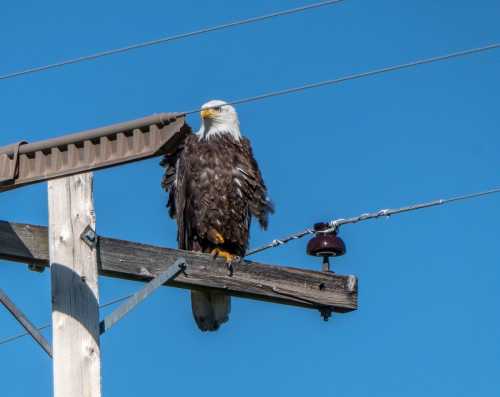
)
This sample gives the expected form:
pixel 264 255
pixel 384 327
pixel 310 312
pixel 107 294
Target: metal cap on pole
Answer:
pixel 26 163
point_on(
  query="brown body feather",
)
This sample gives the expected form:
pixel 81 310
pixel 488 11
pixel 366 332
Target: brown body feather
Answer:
pixel 215 188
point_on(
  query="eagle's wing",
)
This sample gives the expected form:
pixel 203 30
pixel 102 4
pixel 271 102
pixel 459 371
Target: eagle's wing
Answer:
pixel 175 183
pixel 168 182
pixel 260 205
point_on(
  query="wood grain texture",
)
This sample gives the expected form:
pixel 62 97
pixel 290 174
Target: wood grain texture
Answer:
pixel 75 297
pixel 134 261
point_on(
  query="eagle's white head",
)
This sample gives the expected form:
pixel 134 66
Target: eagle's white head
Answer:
pixel 218 118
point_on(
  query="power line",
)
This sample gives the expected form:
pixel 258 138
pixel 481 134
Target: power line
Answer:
pixel 168 39
pixel 359 75
pixel 335 224
pixel 21 335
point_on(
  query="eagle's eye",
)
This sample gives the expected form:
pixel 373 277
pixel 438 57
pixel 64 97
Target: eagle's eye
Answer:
pixel 218 109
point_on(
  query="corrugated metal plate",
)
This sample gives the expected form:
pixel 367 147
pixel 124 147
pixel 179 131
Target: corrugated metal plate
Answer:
pixel 90 150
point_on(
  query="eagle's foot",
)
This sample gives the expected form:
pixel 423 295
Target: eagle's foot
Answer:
pixel 216 252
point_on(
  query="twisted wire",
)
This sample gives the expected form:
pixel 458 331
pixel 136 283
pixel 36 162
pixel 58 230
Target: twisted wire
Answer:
pixel 336 223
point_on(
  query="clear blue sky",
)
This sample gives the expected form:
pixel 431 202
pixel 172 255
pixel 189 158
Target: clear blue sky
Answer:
pixel 429 295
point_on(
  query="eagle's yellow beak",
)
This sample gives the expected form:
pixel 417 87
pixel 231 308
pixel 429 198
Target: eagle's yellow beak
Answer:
pixel 208 113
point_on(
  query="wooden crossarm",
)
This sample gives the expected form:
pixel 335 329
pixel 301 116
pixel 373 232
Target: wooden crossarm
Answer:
pixel 134 261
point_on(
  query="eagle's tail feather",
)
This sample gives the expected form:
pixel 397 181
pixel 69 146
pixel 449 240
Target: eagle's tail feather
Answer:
pixel 210 309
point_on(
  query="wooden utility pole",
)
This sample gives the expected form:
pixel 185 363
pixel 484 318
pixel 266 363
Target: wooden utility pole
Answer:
pixel 76 255
pixel 75 297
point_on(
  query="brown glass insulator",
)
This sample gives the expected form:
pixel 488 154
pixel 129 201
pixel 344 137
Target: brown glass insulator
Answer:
pixel 325 245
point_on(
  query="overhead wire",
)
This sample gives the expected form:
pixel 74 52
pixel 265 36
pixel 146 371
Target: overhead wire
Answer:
pixel 357 76
pixel 334 225
pixel 43 327
pixel 169 39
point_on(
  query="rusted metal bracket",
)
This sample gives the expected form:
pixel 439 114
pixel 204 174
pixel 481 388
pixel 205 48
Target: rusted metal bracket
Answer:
pixel 27 325
pixel 23 164
pixel 9 163
pixel 173 270
pixel 35 267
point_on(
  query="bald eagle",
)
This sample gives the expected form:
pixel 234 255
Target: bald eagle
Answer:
pixel 215 188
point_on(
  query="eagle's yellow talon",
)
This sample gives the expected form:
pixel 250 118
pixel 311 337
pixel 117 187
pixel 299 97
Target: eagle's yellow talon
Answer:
pixel 226 255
